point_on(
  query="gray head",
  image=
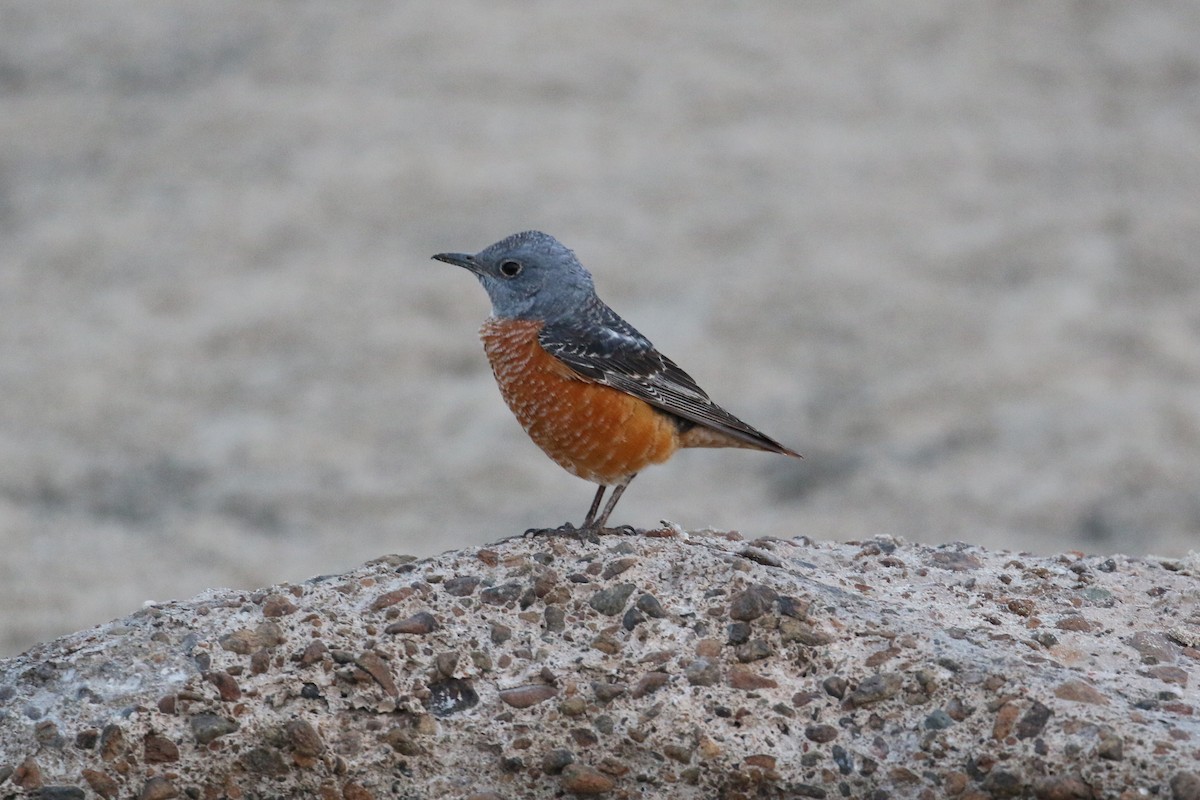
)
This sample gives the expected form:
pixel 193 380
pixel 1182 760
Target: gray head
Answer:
pixel 529 275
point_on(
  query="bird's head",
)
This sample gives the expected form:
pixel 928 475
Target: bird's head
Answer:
pixel 529 275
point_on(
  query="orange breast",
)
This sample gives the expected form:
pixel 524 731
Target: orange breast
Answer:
pixel 593 431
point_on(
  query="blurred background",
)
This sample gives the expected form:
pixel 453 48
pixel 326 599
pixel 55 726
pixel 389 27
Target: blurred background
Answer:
pixel 948 251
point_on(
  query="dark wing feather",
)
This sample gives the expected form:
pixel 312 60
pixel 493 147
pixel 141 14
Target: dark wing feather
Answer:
pixel 608 350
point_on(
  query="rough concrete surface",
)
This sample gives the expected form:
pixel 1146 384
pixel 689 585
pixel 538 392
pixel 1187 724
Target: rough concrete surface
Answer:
pixel 667 664
pixel 946 250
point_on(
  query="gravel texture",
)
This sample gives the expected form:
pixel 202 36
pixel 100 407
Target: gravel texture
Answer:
pixel 872 669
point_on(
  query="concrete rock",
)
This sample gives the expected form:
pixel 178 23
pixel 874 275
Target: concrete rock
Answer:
pixel 673 710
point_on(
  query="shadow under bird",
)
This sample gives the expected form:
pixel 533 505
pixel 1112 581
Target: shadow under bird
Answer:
pixel 590 390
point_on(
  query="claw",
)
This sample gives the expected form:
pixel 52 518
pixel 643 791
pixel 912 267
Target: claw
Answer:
pixel 585 533
pixel 563 529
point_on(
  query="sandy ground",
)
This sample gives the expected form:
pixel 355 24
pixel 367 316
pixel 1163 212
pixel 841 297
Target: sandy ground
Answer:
pixel 946 250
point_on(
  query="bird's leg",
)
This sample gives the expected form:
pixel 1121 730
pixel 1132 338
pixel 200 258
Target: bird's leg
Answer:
pixel 618 490
pixel 590 519
pixel 586 530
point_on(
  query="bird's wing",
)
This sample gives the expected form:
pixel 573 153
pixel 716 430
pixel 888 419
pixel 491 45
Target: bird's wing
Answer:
pixel 614 354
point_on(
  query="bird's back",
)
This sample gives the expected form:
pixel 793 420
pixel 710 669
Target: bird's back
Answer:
pixel 601 346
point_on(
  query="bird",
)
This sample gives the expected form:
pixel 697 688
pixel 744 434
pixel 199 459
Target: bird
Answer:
pixel 589 389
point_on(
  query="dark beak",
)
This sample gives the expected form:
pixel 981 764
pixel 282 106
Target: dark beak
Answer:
pixel 463 260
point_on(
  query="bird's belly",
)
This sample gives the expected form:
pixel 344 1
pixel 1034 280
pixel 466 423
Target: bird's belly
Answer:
pixel 593 431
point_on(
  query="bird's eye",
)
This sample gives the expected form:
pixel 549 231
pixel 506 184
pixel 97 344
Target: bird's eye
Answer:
pixel 510 269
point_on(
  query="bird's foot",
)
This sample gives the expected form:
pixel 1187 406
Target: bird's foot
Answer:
pixel 587 533
pixel 561 530
pixel 623 530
